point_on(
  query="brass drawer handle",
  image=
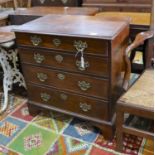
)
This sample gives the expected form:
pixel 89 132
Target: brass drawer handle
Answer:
pixel 63 97
pixel 80 45
pixel 38 58
pixel 42 77
pixel 84 85
pixel 78 64
pixel 85 107
pixel 59 58
pixel 56 42
pixel 61 76
pixel 45 97
pixel 36 40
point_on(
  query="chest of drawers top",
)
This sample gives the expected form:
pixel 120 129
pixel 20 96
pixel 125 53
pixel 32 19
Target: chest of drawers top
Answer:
pixel 75 26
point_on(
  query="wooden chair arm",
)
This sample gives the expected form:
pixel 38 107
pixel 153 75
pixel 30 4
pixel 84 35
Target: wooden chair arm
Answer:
pixel 139 40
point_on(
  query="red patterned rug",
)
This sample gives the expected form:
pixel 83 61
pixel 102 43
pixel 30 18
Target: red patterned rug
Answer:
pixel 57 134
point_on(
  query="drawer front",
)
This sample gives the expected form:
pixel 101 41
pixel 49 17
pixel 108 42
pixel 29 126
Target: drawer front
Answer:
pixel 67 81
pixel 70 102
pixel 93 65
pixel 71 44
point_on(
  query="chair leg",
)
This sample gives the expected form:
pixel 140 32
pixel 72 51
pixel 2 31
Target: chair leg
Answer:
pixel 119 140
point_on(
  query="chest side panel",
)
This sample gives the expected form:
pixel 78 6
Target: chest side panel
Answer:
pixel 118 47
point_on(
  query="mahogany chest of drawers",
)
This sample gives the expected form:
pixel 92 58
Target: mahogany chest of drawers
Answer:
pixel 73 65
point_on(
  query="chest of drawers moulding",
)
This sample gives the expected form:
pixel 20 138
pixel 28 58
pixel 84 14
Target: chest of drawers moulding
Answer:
pixel 51 56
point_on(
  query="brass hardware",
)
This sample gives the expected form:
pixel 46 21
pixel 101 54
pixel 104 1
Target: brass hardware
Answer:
pixel 61 76
pixel 59 58
pixel 64 1
pixel 42 77
pixel 45 97
pixel 84 85
pixel 36 40
pixel 78 64
pixel 38 58
pixel 56 42
pixel 63 97
pixel 85 107
pixel 80 46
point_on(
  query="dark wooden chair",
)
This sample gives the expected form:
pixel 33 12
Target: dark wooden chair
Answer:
pixel 139 22
pixel 138 100
pixel 139 40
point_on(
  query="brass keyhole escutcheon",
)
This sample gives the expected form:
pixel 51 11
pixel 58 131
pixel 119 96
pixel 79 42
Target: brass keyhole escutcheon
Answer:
pixel 61 76
pixel 56 42
pixel 63 97
pixel 78 64
pixel 42 77
pixel 59 58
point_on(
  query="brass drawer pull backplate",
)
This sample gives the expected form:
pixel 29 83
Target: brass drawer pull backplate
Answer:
pixel 56 42
pixel 85 107
pixel 36 40
pixel 80 45
pixel 42 77
pixel 84 85
pixel 45 97
pixel 38 58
